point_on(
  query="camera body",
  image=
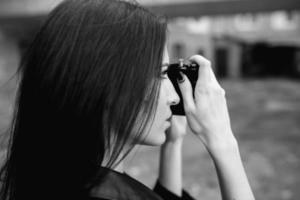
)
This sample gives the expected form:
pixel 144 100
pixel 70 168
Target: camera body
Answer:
pixel 191 71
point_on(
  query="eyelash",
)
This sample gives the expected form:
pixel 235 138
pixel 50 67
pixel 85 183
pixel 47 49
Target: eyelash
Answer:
pixel 164 74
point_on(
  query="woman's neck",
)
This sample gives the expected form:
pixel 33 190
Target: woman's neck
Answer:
pixel 118 168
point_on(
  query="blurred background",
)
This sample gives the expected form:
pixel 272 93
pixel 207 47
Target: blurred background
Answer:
pixel 254 46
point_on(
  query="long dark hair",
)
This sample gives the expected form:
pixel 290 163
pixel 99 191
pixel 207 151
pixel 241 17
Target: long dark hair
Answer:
pixel 89 80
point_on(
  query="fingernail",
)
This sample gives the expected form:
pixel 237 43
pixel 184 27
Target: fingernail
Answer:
pixel 180 77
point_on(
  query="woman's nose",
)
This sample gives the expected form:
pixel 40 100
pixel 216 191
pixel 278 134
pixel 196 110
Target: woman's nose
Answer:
pixel 173 97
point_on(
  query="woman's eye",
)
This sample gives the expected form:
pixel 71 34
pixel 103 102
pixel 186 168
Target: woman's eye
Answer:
pixel 164 74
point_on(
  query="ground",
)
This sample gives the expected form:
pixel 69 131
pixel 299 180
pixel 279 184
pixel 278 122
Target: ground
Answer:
pixel 265 118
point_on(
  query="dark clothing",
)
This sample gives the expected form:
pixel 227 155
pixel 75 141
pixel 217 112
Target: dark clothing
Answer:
pixel 168 195
pixel 120 186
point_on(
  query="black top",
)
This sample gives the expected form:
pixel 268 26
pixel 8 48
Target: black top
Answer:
pixel 120 186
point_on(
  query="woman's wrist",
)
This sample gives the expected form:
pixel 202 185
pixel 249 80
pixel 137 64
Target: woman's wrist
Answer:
pixel 173 143
pixel 171 148
pixel 232 177
pixel 170 169
pixel 227 147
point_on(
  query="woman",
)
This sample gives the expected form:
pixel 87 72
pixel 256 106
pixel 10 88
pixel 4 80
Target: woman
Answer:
pixel 92 87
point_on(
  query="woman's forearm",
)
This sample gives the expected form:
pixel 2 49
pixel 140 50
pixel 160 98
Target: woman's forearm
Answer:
pixel 233 181
pixel 170 167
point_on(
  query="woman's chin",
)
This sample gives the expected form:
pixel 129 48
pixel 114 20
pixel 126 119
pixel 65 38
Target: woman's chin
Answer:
pixel 154 139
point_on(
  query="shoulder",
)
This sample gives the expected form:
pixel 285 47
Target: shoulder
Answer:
pixel 119 186
pixel 96 198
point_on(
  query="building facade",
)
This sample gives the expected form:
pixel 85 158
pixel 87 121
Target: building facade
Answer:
pixel 241 45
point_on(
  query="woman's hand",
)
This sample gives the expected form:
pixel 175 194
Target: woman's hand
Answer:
pixel 207 114
pixel 177 131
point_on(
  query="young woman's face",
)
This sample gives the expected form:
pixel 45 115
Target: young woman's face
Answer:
pixel 155 134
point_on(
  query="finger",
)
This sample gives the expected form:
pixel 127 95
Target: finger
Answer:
pixel 179 119
pixel 186 90
pixel 179 123
pixel 213 77
pixel 204 72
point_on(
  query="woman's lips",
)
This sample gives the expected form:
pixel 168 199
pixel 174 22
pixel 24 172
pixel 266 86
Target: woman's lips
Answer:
pixel 168 121
pixel 167 124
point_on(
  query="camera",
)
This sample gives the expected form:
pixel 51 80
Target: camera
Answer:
pixel 190 69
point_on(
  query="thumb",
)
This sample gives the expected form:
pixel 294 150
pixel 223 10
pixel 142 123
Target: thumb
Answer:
pixel 186 90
